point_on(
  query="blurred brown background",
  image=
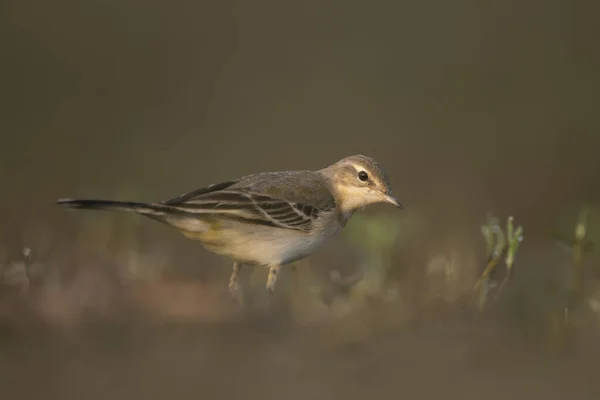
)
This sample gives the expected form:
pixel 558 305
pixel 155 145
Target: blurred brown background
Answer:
pixel 471 106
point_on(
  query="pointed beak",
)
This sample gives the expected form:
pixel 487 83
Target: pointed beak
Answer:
pixel 390 198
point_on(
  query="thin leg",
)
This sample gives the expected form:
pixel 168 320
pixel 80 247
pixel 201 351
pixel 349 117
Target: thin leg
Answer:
pixel 233 280
pixel 273 271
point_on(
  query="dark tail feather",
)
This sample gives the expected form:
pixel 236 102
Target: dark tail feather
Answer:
pixel 151 210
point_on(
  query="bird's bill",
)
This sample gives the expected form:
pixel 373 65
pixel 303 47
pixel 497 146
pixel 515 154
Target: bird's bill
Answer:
pixel 389 198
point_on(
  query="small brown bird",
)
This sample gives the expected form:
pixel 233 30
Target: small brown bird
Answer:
pixel 268 219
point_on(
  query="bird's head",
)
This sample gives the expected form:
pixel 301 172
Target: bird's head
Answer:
pixel 359 181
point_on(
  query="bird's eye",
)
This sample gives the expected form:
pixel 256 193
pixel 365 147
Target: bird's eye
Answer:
pixel 363 176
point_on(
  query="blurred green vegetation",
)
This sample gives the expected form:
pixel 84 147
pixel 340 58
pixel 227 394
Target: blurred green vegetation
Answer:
pixel 497 243
pixel 376 238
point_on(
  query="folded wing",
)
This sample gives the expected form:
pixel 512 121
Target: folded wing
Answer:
pixel 233 201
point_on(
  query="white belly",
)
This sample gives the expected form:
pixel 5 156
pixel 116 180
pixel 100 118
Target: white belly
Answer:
pixel 268 246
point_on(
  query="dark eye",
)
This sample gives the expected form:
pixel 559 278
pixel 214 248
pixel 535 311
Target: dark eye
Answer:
pixel 363 176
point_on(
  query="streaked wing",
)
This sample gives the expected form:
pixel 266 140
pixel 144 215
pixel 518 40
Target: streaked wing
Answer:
pixel 272 199
pixel 199 192
pixel 243 206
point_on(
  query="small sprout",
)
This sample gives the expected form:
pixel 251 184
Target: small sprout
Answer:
pixel 501 243
pixel 490 231
pixel 581 228
pixel 579 247
pixel 488 235
pixel 577 242
pixel 514 240
pixel 496 244
pixel 515 237
pixel 17 273
pixel 26 252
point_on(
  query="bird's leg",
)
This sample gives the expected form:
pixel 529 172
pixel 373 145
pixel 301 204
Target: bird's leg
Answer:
pixel 273 271
pixel 233 280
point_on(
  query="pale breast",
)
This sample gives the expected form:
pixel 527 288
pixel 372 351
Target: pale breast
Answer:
pixel 260 245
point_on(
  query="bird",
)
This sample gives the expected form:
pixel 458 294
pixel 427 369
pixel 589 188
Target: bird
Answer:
pixel 267 219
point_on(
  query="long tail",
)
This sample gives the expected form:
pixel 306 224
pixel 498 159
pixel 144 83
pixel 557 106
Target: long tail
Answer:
pixel 157 211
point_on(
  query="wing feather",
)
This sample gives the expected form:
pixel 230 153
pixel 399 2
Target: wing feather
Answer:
pixel 250 200
pixel 199 192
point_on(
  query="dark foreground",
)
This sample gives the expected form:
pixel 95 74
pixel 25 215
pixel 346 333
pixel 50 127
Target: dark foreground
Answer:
pixel 377 352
